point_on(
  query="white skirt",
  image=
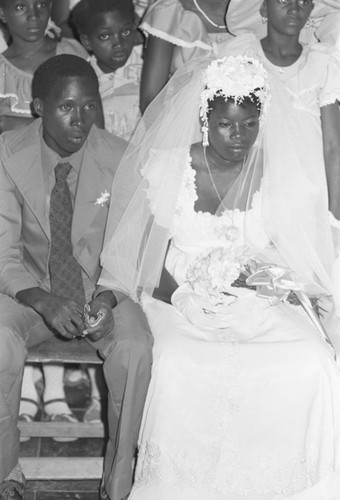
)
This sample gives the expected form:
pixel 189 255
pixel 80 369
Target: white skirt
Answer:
pixel 251 412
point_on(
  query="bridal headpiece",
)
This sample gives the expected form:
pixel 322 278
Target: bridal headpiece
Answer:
pixel 233 78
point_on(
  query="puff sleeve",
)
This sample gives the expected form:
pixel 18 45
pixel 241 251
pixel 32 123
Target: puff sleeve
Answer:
pixel 168 20
pixel 330 87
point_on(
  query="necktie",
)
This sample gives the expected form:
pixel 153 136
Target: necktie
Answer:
pixel 65 272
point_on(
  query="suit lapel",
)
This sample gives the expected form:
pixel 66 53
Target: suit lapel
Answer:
pixel 89 188
pixel 22 168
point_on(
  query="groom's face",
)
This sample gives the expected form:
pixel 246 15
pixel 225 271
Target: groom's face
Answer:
pixel 68 112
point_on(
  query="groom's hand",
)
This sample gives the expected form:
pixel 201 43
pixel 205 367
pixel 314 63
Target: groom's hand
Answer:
pixel 100 314
pixel 60 313
pixel 63 315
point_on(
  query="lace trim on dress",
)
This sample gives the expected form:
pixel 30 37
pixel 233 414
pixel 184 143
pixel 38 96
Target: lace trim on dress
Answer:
pixel 14 101
pixel 168 20
pixel 174 40
pixel 188 194
pixel 181 468
pixel 329 99
pixel 195 232
pixel 15 88
pixel 217 38
pixel 15 84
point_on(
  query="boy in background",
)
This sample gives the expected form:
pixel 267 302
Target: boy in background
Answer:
pixel 108 30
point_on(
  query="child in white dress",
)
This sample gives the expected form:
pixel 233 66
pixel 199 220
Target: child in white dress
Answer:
pixel 108 31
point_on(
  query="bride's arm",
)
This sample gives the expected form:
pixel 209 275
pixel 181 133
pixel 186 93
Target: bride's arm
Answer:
pixel 158 54
pixel 166 288
pixel 167 284
pixel 330 120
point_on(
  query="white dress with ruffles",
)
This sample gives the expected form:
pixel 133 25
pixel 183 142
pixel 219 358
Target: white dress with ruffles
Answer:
pixel 16 84
pixel 312 82
pixel 168 20
pixel 247 412
pixel 119 92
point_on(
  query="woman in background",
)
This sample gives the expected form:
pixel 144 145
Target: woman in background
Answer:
pixel 176 31
pixel 308 74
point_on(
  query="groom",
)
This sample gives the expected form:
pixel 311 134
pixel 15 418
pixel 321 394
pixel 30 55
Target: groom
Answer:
pixel 55 179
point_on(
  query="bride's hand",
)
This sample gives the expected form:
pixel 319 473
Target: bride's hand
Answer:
pixel 199 311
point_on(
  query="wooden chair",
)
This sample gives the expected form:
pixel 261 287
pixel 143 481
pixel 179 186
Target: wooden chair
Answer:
pixel 57 350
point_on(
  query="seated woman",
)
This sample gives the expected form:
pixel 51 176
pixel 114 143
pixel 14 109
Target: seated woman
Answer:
pixel 244 398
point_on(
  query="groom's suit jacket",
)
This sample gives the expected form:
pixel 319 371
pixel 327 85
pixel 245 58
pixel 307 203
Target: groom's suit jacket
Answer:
pixel 24 212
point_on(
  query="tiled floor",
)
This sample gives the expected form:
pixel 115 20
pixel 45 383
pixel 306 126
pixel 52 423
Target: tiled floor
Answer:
pixel 78 398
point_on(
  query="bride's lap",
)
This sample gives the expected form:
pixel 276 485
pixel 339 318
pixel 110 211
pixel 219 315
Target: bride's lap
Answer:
pixel 283 356
pixel 256 327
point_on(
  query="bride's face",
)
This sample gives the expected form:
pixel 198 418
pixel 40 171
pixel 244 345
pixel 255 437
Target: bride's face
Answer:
pixel 232 129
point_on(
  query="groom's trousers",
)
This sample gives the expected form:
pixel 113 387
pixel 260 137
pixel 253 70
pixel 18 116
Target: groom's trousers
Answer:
pixel 127 354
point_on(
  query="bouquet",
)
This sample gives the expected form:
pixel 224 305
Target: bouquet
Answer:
pixel 214 271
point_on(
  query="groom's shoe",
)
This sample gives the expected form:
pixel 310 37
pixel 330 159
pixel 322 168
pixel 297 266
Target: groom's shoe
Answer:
pixel 102 493
pixel 11 490
pixel 105 496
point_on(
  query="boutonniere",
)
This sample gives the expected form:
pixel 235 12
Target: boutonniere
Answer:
pixel 103 198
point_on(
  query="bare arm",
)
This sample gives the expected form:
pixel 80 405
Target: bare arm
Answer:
pixel 60 15
pixel 330 121
pixel 156 69
pixel 166 288
pixel 14 122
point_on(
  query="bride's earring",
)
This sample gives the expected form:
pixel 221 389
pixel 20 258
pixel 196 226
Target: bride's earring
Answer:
pixel 263 13
pixel 205 140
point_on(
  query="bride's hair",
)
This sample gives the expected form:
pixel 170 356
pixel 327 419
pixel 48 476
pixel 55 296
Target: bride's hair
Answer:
pixel 235 79
pixel 252 100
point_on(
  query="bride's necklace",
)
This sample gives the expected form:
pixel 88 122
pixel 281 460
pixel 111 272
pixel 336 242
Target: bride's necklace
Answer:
pixel 231 232
pixel 207 17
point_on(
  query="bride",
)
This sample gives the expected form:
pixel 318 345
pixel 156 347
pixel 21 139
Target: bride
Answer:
pixel 224 237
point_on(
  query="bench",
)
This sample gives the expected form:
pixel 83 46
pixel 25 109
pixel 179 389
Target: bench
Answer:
pixel 57 350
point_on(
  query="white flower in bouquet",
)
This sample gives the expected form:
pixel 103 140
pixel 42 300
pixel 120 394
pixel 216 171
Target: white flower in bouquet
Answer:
pixel 213 272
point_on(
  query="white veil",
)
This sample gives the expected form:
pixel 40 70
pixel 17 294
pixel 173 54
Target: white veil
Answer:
pixel 294 193
pixel 136 240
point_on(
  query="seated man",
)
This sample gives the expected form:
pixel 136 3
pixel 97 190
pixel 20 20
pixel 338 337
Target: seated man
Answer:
pixel 55 179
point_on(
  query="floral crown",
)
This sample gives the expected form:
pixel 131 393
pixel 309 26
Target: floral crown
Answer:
pixel 235 78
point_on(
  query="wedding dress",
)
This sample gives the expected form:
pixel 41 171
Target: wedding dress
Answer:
pixel 246 412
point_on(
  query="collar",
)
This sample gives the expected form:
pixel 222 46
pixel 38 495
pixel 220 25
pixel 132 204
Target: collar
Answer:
pixel 128 73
